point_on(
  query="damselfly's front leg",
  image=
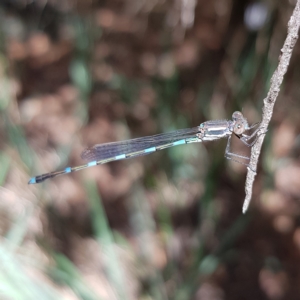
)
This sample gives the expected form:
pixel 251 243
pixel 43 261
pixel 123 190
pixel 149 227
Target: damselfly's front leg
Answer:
pixel 245 138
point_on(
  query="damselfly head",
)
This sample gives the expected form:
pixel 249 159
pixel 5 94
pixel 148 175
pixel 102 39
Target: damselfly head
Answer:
pixel 237 115
pixel 240 123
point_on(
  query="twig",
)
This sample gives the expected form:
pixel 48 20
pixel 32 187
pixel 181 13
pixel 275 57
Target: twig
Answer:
pixel 269 101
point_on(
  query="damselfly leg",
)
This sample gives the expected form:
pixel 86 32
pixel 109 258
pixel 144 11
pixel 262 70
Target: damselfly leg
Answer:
pixel 232 156
pixel 244 138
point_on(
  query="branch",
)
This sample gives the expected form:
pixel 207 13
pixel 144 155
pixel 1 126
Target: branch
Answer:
pixel 269 101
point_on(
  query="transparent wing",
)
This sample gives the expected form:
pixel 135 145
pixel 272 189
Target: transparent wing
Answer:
pixel 109 150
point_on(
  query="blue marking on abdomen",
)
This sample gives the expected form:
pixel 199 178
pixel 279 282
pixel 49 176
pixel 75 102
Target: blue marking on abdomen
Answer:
pixel 32 180
pixel 153 149
pixel 181 142
pixel 122 156
pixel 92 163
pixel 68 170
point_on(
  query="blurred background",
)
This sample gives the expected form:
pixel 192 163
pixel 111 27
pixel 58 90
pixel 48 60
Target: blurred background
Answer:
pixel 75 73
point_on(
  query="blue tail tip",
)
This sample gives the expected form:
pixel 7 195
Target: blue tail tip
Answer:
pixel 32 180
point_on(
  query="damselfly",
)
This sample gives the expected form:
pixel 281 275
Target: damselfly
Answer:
pixel 207 131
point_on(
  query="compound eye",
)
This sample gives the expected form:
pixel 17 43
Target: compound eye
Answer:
pixel 238 129
pixel 237 115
